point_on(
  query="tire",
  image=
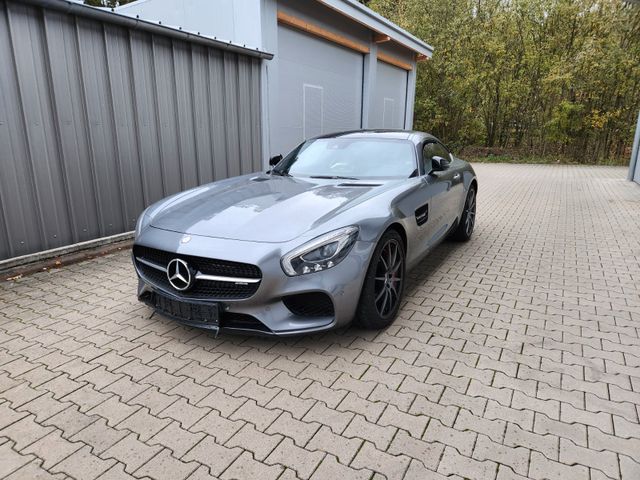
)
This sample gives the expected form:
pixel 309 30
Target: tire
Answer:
pixel 383 284
pixel 467 222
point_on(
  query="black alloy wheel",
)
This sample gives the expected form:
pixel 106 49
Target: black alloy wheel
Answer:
pixel 383 284
pixel 467 222
pixel 389 277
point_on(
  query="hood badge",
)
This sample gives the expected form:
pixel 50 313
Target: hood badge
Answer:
pixel 185 239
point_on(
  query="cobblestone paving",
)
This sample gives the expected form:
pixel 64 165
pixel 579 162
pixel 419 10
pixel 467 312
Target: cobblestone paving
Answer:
pixel 516 355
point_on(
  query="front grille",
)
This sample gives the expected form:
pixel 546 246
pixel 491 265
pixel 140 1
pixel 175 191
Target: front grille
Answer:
pixel 202 289
pixel 314 304
pixel 210 266
pixel 177 309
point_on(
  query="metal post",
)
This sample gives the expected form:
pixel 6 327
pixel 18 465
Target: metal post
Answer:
pixel 369 84
pixel 633 165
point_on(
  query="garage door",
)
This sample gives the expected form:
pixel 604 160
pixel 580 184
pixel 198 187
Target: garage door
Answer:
pixel 319 89
pixel 390 98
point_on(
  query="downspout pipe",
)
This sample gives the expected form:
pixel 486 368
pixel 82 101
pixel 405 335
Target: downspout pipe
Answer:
pixel 635 152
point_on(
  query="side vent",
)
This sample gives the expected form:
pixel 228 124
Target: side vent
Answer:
pixel 422 214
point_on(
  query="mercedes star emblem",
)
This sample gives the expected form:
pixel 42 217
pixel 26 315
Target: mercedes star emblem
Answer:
pixel 185 239
pixel 179 274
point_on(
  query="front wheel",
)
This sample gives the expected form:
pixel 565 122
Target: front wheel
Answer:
pixel 464 230
pixel 383 284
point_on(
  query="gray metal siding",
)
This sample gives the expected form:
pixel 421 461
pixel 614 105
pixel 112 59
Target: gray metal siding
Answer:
pixel 319 89
pixel 390 97
pixel 97 121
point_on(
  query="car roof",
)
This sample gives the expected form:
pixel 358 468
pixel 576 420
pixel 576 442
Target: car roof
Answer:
pixel 412 135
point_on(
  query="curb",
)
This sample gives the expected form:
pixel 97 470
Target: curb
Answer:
pixel 17 267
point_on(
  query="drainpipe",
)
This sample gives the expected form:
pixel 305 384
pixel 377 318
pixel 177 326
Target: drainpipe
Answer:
pixel 633 165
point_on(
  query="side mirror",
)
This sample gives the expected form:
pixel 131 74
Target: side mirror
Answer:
pixel 273 161
pixel 438 164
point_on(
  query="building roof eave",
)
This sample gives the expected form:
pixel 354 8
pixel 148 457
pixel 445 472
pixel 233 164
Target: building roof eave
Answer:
pixel 367 17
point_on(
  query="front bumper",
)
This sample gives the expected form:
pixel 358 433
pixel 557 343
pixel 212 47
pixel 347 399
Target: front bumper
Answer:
pixel 342 284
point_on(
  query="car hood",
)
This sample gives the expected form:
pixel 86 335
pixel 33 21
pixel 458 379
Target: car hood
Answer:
pixel 262 208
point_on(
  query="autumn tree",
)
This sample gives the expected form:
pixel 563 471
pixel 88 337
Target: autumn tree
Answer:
pixel 536 77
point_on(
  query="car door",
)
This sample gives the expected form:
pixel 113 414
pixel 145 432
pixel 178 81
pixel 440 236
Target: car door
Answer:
pixel 429 201
pixel 446 183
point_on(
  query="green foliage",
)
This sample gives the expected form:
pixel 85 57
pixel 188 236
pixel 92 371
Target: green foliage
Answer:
pixel 566 121
pixel 545 77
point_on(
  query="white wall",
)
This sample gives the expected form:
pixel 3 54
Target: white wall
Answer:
pixel 237 21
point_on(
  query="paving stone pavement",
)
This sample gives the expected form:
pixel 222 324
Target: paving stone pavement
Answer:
pixel 516 355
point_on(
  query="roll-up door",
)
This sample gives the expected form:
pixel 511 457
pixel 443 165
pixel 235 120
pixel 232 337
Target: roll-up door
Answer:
pixel 390 98
pixel 319 89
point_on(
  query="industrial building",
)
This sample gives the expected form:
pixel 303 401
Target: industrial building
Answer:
pixel 104 112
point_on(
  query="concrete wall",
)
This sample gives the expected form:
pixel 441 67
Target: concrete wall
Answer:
pixel 97 121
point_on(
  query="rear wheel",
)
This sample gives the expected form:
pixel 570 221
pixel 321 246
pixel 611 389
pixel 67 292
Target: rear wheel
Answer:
pixel 465 227
pixel 383 284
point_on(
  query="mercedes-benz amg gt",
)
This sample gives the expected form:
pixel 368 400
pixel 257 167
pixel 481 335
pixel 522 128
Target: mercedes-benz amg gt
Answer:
pixel 322 239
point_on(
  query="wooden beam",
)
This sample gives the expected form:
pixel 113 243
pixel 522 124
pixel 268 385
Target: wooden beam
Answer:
pixel 421 58
pixel 380 38
pixel 300 24
pixel 396 62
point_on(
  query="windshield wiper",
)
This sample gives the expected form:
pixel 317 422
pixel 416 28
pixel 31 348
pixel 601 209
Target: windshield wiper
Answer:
pixel 280 173
pixel 333 177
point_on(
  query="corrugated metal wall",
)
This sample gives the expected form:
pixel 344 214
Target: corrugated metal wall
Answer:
pixel 97 121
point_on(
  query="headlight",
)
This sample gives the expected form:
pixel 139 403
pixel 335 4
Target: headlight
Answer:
pixel 321 253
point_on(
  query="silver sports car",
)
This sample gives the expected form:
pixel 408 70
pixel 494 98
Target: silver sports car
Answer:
pixel 322 239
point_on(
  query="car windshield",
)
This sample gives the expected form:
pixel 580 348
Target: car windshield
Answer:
pixel 352 158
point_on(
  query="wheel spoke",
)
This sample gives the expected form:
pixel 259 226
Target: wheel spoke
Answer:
pixel 384 301
pixel 394 294
pixel 394 249
pixel 396 267
pixel 384 263
pixel 382 290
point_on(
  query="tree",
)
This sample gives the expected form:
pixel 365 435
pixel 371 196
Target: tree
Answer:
pixel 531 76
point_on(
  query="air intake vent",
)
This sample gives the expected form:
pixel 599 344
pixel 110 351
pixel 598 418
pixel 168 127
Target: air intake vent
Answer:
pixel 314 304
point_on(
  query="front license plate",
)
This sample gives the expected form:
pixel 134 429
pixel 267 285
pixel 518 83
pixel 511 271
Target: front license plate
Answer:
pixel 208 313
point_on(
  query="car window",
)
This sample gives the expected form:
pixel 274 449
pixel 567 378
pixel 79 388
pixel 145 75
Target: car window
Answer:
pixel 351 157
pixel 430 150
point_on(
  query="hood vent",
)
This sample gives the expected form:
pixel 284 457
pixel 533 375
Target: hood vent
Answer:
pixel 359 184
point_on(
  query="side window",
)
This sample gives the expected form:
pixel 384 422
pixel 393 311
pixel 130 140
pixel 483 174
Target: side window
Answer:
pixel 433 149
